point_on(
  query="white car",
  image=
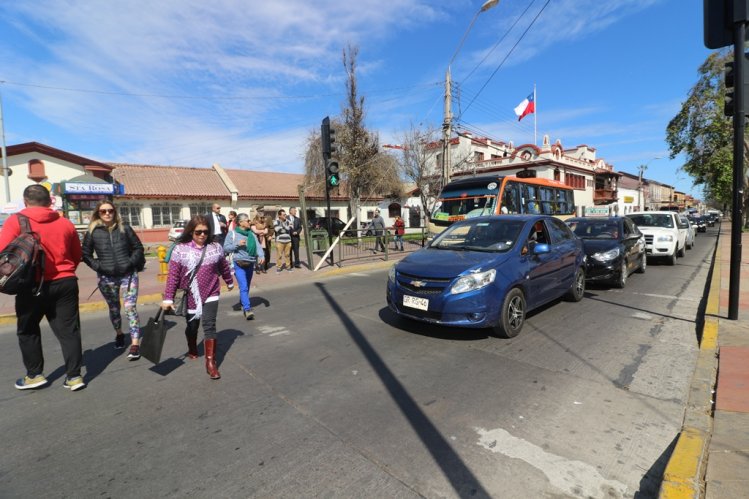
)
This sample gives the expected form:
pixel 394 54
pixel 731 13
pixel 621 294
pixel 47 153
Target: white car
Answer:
pixel 691 231
pixel 177 229
pixel 665 234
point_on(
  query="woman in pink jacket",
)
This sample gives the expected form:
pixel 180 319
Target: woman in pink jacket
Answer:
pixel 193 251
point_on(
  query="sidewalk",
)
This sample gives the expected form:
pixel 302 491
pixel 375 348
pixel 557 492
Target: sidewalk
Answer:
pixel 711 457
pixel 151 284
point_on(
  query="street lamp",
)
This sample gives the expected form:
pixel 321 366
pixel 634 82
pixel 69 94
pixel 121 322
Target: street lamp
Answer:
pixel 447 123
pixel 642 168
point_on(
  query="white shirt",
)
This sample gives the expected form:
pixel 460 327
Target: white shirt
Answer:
pixel 216 224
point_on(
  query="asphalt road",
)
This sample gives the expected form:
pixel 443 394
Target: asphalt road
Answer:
pixel 328 394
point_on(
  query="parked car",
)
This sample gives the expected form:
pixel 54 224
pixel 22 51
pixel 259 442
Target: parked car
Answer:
pixel 337 223
pixel 177 229
pixel 711 218
pixel 663 235
pixel 691 231
pixel 614 248
pixel 489 272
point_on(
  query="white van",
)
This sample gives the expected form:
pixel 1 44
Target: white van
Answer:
pixel 665 234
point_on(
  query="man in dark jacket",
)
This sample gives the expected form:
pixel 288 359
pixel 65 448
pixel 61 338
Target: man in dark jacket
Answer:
pixel 58 300
pixel 218 224
pixel 296 234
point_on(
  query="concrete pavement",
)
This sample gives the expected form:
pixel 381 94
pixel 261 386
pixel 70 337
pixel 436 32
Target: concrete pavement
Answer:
pixel 711 457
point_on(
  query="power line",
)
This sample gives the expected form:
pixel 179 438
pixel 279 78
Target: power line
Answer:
pixel 509 53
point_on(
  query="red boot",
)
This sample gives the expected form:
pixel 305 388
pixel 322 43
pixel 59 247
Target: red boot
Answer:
pixel 192 345
pixel 210 359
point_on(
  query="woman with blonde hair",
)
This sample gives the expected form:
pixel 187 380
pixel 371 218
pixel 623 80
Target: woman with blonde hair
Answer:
pixel 258 227
pixel 115 252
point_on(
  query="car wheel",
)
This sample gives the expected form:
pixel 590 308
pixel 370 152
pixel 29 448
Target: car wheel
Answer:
pixel 622 280
pixel 682 251
pixel 577 288
pixel 643 263
pixel 672 258
pixel 512 315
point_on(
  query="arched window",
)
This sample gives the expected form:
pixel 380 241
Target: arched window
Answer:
pixel 394 210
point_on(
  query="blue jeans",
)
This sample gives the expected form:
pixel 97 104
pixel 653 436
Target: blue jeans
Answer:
pixel 244 278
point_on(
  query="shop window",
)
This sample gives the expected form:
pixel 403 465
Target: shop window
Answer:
pixel 165 216
pixel 199 209
pixel 130 215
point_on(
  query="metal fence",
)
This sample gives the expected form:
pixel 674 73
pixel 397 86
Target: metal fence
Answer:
pixel 362 244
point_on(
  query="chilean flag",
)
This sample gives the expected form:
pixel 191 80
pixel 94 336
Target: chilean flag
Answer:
pixel 528 106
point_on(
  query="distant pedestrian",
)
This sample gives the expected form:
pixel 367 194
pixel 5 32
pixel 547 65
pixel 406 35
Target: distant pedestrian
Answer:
pixel 231 221
pixel 217 224
pixel 399 228
pixel 244 247
pixel 196 255
pixel 282 229
pixel 296 234
pixel 258 227
pixel 114 251
pixel 58 299
pixel 378 225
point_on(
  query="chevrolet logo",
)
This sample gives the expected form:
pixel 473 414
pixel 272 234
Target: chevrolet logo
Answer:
pixel 418 284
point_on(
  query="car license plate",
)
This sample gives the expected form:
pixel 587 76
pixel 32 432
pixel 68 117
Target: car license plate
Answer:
pixel 415 302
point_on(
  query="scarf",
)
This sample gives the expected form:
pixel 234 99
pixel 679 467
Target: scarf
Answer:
pixel 251 248
pixel 192 262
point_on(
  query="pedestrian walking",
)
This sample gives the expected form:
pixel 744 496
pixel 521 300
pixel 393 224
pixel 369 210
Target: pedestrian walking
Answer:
pixel 282 229
pixel 259 228
pixel 195 256
pixel 113 250
pixel 58 297
pixel 231 221
pixel 244 247
pixel 378 225
pixel 399 228
pixel 296 234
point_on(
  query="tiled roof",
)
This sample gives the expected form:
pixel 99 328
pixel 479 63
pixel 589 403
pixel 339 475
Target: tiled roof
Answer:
pixel 271 185
pixel 169 181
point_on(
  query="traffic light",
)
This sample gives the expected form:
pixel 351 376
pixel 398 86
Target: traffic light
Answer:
pixel 332 177
pixel 730 77
pixel 327 138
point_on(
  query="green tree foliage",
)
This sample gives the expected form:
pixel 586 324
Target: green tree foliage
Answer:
pixel 704 135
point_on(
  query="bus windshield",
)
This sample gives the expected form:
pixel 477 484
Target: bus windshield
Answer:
pixel 453 209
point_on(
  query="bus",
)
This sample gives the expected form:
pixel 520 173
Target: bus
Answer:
pixel 495 195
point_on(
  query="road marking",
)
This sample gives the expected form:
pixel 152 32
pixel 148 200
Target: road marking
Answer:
pixel 668 297
pixel 273 330
pixel 573 477
pixel 280 333
pixel 642 315
pixel 359 274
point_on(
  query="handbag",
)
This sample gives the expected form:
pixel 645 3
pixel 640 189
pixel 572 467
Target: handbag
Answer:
pixel 180 295
pixel 152 338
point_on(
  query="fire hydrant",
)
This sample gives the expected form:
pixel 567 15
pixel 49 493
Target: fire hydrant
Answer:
pixel 163 265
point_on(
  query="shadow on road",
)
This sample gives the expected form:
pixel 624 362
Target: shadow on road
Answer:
pixel 463 481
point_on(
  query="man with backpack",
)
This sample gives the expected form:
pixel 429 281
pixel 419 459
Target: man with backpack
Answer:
pixel 57 296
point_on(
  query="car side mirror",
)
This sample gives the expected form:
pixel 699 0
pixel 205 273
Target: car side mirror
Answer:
pixel 540 248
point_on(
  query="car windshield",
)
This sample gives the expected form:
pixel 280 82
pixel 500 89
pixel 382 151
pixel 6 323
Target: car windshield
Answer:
pixel 496 235
pixel 595 229
pixel 653 220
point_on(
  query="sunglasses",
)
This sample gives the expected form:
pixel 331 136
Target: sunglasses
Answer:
pixel 106 211
pixel 200 232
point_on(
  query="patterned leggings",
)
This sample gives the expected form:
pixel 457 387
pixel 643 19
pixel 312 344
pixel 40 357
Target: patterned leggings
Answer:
pixel 111 288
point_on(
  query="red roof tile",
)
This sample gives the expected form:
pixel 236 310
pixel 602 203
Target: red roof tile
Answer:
pixel 169 181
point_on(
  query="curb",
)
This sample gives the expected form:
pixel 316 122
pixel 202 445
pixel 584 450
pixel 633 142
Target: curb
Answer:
pixel 685 471
pixel 156 298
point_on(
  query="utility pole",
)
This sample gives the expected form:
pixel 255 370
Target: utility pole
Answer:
pixel 6 171
pixel 447 129
pixel 640 196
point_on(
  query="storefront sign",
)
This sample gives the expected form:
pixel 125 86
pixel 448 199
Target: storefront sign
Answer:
pixel 71 188
pixel 596 212
pixel 629 199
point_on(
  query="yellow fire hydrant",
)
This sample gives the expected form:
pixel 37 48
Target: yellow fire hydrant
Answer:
pixel 163 265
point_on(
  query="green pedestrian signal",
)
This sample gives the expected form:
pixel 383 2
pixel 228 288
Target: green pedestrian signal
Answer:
pixel 331 173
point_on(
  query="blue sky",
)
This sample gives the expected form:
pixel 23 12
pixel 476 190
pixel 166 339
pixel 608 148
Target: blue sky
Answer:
pixel 243 82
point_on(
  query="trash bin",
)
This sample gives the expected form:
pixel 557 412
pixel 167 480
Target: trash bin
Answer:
pixel 319 240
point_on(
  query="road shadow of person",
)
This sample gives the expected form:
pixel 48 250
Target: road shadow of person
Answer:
pixel 226 339
pixel 254 302
pixel 96 360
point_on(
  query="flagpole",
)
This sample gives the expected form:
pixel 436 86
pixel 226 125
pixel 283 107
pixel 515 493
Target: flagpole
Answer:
pixel 535 117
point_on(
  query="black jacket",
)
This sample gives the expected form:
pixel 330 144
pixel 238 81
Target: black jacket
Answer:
pixel 118 253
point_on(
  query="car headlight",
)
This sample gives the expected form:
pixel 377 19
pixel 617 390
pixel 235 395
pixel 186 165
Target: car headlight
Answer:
pixel 391 274
pixel 606 256
pixel 667 239
pixel 473 281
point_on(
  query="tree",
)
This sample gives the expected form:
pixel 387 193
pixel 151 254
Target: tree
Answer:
pixel 704 135
pixel 418 149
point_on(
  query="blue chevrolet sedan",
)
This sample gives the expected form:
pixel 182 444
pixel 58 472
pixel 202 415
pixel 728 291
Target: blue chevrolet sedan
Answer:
pixel 488 272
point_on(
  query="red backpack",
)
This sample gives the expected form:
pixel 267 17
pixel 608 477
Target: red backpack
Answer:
pixel 22 261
